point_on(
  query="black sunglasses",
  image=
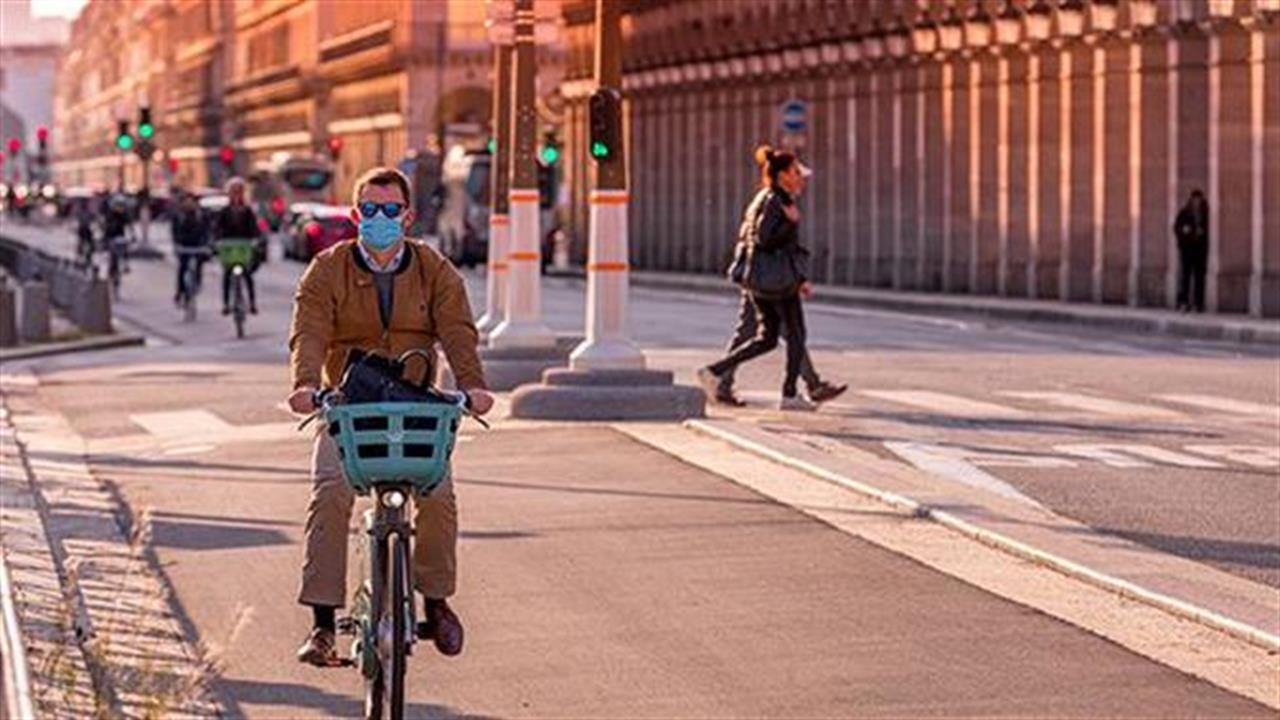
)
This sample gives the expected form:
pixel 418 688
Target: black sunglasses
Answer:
pixel 390 209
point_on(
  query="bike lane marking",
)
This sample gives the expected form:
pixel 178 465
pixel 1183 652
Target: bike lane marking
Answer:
pixel 1095 404
pixel 945 403
pixel 1227 405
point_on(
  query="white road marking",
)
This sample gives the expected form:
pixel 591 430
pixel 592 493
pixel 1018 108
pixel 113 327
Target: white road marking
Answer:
pixel 945 403
pixel 1092 403
pixel 1259 456
pixel 1135 456
pixel 961 465
pixel 191 424
pixel 1227 405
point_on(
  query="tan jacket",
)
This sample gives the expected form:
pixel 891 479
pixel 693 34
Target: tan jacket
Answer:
pixel 335 309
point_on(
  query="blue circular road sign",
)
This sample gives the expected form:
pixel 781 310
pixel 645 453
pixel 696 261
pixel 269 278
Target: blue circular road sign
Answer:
pixel 794 115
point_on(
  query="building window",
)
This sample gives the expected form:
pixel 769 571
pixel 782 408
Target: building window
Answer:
pixel 269 49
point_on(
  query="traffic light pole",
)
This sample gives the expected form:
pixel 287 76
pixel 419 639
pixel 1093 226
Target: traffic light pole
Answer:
pixel 523 326
pixel 499 219
pixel 144 212
pixel 608 345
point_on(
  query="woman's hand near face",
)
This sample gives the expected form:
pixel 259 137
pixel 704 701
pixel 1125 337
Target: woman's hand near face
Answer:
pixel 793 212
pixel 806 289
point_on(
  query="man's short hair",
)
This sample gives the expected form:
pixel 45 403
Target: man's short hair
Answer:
pixel 235 182
pixel 382 176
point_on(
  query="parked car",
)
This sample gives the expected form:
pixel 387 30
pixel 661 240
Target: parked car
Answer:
pixel 315 228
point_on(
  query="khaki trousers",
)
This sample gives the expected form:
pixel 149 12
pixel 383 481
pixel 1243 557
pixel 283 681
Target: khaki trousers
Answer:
pixel 324 565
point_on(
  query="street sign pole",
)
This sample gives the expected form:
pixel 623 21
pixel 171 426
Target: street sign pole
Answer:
pixel 608 345
pixel 523 326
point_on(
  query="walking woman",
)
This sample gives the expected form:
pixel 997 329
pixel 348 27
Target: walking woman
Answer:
pixel 775 276
pixel 1191 228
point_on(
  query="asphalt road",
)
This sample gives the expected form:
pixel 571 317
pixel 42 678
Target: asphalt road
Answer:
pixel 602 578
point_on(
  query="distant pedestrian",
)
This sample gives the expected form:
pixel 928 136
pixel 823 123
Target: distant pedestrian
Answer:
pixel 771 265
pixel 1191 228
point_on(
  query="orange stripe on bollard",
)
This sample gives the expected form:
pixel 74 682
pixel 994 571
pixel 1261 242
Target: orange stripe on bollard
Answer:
pixel 499 220
pixel 523 196
pixel 608 267
pixel 500 266
pixel 599 198
pixel 524 256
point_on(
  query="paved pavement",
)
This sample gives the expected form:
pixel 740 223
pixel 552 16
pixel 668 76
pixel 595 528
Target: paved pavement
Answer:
pixel 603 578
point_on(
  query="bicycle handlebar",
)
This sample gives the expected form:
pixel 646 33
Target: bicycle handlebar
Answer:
pixel 325 398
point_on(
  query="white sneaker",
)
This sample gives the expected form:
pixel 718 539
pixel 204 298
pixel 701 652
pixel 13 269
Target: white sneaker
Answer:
pixel 797 403
pixel 710 382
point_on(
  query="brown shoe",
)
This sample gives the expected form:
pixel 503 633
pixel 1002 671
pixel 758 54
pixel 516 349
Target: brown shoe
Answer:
pixel 319 649
pixel 730 398
pixel 443 627
pixel 826 391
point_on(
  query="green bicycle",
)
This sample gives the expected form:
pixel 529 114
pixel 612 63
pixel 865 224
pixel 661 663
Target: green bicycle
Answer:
pixel 393 451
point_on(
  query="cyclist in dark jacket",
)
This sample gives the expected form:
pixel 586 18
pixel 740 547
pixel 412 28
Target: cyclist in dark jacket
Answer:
pixel 190 236
pixel 237 221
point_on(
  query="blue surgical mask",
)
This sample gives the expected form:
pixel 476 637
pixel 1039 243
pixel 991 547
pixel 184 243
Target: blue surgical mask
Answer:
pixel 380 232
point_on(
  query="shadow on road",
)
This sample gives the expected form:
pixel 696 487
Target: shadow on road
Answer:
pixel 140 462
pixel 1019 425
pixel 232 693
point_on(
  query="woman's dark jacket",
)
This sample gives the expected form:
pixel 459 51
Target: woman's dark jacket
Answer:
pixel 1191 227
pixel 775 232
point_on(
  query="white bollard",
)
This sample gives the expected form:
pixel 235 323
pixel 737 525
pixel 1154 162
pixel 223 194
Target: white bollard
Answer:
pixel 495 300
pixel 522 326
pixel 608 344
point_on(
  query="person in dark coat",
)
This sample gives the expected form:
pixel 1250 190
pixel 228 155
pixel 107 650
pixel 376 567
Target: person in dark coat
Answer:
pixel 1191 228
pixel 777 230
pixel 237 221
pixel 190 239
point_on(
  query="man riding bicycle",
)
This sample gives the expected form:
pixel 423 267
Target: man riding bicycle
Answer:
pixel 387 294
pixel 190 241
pixel 237 221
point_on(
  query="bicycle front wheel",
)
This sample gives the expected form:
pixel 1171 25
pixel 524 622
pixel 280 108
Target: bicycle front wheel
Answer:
pixel 238 309
pixel 400 599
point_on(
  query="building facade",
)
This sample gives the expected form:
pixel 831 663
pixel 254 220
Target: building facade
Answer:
pixel 1030 148
pixel 266 76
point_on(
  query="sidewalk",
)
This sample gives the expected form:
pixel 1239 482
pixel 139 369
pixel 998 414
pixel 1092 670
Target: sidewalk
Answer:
pixel 1154 321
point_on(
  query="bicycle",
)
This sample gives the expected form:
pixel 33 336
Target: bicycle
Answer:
pixel 117 251
pixel 392 451
pixel 191 279
pixel 236 255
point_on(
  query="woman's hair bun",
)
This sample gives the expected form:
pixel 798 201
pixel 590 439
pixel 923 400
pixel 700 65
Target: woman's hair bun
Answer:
pixel 764 154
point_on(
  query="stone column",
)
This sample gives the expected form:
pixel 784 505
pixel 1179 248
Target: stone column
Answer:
pixel 887 135
pixel 863 186
pixel 1016 175
pixel 1082 129
pixel 1231 167
pixel 989 235
pixel 1118 110
pixel 839 185
pixel 1267 153
pixel 962 175
pixel 907 183
pixel 1052 155
pixel 1158 208
pixel 936 118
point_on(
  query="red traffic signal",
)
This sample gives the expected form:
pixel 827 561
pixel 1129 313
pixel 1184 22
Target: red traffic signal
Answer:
pixel 227 154
pixel 42 133
pixel 173 164
pixel 14 145
pixel 335 146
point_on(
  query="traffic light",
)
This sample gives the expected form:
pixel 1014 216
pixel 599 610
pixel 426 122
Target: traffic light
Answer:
pixel 492 145
pixel 227 155
pixel 15 145
pixel 335 146
pixel 549 153
pixel 42 136
pixel 145 129
pixel 124 141
pixel 173 164
pixel 605 109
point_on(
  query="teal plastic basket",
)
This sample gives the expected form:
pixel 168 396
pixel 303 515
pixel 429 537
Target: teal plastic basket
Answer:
pixel 394 442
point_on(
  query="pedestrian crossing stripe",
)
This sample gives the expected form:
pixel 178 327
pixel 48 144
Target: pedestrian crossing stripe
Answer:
pixel 1227 405
pixel 1095 404
pixel 945 403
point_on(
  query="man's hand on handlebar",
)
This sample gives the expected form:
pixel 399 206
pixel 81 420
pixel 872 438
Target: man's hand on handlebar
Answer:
pixel 302 400
pixel 481 401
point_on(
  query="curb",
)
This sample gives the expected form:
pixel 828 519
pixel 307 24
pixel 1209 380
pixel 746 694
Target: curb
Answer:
pixel 13 652
pixel 1122 318
pixel 105 342
pixel 1187 611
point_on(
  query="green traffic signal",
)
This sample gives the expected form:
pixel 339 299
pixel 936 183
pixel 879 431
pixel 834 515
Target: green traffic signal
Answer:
pixel 599 150
pixel 492 146
pixel 146 130
pixel 124 142
pixel 550 155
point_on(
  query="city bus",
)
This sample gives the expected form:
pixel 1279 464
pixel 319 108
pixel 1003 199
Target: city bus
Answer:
pixel 286 178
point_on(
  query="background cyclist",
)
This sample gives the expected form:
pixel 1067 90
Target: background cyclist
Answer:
pixel 237 221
